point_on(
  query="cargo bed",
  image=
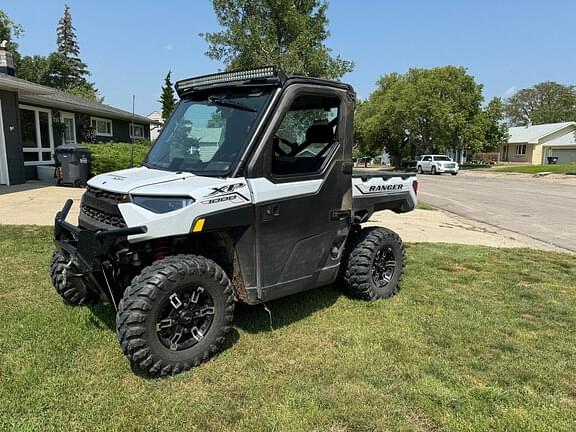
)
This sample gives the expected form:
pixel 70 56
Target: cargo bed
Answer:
pixel 377 190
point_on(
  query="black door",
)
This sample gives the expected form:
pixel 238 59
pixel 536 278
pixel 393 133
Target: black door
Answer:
pixel 304 200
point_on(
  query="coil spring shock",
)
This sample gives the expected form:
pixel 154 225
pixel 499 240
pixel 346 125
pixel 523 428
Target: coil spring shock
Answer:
pixel 161 249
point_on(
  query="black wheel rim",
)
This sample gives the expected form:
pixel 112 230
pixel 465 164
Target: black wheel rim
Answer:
pixel 383 267
pixel 185 318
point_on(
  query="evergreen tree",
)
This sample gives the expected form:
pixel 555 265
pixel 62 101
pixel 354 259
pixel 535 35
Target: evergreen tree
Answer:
pixel 167 98
pixel 72 78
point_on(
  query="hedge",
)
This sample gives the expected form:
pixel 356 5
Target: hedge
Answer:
pixel 116 156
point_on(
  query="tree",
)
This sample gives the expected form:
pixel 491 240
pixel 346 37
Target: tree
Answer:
pixel 428 110
pixel 9 32
pixel 73 75
pixel 547 102
pixel 287 33
pixel 167 98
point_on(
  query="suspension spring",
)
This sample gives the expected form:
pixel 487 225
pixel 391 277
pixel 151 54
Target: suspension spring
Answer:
pixel 161 249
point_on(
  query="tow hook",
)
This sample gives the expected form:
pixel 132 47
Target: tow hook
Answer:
pixel 65 272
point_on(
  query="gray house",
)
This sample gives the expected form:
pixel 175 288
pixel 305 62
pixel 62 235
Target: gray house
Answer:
pixel 35 119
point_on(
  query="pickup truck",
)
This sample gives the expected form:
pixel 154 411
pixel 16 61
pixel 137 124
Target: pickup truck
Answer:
pixel 247 195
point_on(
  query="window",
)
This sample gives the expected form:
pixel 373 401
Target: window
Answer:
pixel 304 138
pixel 37 138
pixel 442 159
pixel 427 158
pixel 520 149
pixel 102 126
pixel 136 131
pixel 208 132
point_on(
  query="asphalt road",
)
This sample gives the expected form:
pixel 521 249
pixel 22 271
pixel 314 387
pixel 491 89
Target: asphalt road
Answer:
pixel 540 209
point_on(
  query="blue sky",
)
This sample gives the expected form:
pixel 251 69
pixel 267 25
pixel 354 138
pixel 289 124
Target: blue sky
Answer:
pixel 130 45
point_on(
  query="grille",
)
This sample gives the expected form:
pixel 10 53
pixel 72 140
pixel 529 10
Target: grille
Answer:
pixel 103 217
pixel 112 196
pixel 99 209
pixel 450 165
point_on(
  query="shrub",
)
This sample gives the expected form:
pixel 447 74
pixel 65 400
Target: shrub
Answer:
pixel 108 157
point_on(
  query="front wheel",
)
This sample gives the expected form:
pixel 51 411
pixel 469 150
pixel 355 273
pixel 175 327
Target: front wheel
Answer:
pixel 374 263
pixel 419 169
pixel 433 172
pixel 454 173
pixel 175 315
pixel 67 284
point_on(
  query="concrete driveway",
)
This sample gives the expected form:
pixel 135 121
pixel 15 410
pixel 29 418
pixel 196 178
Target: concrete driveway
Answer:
pixel 36 203
pixel 543 208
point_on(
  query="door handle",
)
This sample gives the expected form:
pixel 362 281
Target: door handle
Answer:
pixel 271 212
pixel 337 215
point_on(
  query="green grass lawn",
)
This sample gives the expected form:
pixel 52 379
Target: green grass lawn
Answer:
pixel 534 169
pixel 477 339
pixel 423 206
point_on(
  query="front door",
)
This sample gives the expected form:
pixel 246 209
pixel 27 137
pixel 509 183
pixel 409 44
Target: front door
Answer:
pixel 4 179
pixel 304 200
pixel 426 163
pixel 69 130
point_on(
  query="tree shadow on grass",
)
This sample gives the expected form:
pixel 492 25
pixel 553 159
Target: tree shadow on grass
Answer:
pixel 284 311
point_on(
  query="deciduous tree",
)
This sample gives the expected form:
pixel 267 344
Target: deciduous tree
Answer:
pixel 547 102
pixel 287 33
pixel 428 110
pixel 9 32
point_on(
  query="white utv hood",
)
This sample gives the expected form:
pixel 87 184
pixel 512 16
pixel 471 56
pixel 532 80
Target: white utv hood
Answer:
pixel 210 195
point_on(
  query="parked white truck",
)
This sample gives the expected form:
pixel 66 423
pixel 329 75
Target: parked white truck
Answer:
pixel 437 164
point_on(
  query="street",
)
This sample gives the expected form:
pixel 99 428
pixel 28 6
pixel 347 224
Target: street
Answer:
pixel 538 208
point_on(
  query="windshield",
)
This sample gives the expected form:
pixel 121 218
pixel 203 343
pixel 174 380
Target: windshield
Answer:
pixel 207 133
pixel 442 158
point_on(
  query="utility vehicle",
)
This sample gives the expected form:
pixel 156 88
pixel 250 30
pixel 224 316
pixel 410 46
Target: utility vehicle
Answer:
pixel 247 195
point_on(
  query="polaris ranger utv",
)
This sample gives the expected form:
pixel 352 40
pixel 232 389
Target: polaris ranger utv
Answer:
pixel 247 195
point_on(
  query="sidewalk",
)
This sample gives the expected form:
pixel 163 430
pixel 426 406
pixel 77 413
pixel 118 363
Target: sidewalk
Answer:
pixel 437 226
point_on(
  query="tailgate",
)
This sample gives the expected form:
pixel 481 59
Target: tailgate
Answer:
pixel 374 190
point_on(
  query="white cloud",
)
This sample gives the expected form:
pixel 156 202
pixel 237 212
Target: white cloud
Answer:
pixel 510 92
pixel 169 47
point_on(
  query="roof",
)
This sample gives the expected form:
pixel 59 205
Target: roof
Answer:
pixel 36 94
pixel 533 134
pixel 568 139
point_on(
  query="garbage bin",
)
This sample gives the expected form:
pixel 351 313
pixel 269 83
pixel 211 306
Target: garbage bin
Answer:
pixel 75 164
pixel 552 160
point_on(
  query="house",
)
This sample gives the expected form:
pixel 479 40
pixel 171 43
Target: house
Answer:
pixel 35 119
pixel 157 124
pixel 534 144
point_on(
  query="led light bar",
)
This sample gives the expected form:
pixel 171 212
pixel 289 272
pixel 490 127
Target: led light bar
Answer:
pixel 224 77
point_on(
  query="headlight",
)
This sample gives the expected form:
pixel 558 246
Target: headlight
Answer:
pixel 161 204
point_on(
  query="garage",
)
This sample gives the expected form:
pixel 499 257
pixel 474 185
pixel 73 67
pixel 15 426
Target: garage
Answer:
pixel 564 155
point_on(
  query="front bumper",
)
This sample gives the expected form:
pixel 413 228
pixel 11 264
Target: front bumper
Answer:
pixel 442 169
pixel 87 247
pixel 90 251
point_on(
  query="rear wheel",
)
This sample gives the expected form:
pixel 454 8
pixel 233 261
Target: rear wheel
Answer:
pixel 67 285
pixel 433 171
pixel 175 315
pixel 373 266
